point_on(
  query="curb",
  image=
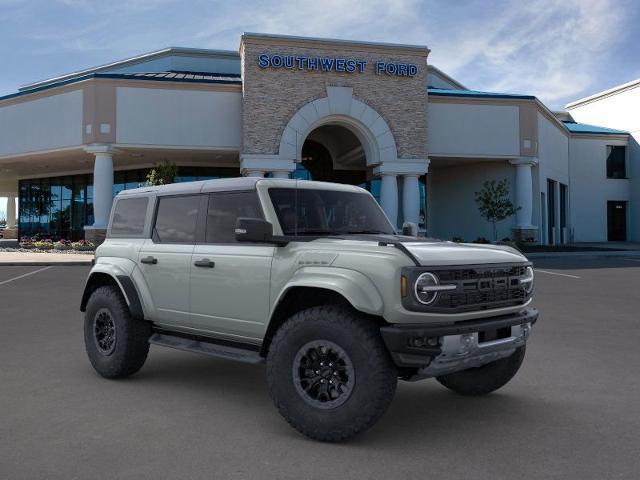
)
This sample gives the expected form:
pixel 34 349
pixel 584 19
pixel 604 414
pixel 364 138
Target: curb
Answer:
pixel 613 254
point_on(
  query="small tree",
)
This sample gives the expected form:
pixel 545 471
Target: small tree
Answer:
pixel 494 203
pixel 163 173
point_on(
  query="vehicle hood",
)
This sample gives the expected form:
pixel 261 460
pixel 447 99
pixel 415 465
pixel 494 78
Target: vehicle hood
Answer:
pixel 450 253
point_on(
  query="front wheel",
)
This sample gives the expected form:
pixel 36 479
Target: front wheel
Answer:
pixel 329 373
pixel 484 379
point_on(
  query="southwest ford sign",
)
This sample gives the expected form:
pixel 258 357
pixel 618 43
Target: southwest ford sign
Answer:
pixel 331 64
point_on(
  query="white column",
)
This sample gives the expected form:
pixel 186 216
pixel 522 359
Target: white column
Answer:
pixel 280 174
pixel 11 211
pixel 411 198
pixel 254 173
pixel 524 192
pixel 389 196
pixel 102 184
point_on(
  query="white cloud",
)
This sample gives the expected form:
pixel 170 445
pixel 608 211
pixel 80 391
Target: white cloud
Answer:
pixel 555 49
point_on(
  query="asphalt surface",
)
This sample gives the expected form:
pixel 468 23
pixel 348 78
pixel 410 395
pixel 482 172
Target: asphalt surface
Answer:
pixel 573 411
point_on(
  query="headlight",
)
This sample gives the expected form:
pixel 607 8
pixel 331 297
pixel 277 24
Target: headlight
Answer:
pixel 527 280
pixel 427 287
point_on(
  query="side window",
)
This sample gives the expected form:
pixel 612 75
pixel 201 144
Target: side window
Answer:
pixel 128 217
pixel 616 161
pixel 176 219
pixel 224 210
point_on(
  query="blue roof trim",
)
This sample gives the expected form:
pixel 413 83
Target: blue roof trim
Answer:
pixel 444 92
pixel 575 127
pixel 227 79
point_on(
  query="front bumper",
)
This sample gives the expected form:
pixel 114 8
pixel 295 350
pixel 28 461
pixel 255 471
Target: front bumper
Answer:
pixel 442 349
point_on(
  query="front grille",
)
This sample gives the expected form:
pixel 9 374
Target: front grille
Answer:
pixel 477 288
pixel 481 288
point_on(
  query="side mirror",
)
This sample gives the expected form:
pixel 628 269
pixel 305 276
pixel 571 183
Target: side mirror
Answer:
pixel 410 229
pixel 253 230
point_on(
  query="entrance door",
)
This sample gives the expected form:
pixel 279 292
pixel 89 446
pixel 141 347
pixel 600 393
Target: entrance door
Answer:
pixel 230 281
pixel 617 221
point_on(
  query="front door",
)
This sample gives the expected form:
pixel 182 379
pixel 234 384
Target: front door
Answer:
pixel 229 280
pixel 617 221
pixel 165 259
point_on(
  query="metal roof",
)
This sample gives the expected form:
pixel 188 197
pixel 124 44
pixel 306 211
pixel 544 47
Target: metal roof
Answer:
pixel 187 77
pixel 444 92
pixel 145 57
pixel 575 127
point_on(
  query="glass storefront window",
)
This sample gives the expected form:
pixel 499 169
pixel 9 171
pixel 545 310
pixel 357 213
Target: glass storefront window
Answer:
pixel 60 207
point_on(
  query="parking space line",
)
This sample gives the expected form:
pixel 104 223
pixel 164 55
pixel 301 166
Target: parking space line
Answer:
pixel 556 273
pixel 25 275
pixel 632 259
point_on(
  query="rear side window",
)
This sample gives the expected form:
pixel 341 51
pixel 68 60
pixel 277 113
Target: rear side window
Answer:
pixel 176 219
pixel 224 210
pixel 128 217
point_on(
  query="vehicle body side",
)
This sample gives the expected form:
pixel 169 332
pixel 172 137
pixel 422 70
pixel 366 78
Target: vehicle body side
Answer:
pixel 366 274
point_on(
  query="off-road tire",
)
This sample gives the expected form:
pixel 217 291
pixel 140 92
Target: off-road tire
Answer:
pixel 131 344
pixel 375 375
pixel 484 379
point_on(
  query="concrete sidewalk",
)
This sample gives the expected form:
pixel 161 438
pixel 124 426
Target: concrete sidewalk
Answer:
pixel 44 259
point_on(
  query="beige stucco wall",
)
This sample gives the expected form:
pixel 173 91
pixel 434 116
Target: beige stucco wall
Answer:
pixel 272 96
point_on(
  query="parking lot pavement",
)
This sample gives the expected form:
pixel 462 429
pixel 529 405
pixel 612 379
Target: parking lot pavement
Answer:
pixel 571 412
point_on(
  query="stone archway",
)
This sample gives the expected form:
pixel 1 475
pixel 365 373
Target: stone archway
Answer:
pixel 340 108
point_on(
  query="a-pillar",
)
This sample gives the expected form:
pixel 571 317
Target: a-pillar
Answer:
pixel 102 191
pixel 524 229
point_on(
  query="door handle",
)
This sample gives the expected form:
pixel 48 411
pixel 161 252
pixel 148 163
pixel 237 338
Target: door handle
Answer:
pixel 205 262
pixel 149 260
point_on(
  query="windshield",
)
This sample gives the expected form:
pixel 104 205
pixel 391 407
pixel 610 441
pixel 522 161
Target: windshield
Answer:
pixel 327 212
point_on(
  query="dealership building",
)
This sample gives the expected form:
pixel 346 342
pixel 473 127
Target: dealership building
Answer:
pixel 370 114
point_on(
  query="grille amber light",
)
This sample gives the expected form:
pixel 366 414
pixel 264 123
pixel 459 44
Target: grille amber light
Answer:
pixel 403 286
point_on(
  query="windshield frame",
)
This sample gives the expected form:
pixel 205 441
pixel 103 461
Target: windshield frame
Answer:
pixel 380 225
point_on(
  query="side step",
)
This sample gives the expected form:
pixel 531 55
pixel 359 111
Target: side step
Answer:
pixel 206 347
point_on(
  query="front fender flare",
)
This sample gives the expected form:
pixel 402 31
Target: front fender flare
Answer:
pixel 122 278
pixel 357 288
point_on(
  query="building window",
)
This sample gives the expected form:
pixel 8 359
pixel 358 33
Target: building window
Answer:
pixel 616 161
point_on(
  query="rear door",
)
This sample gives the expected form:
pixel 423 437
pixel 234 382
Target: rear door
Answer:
pixel 165 259
pixel 230 280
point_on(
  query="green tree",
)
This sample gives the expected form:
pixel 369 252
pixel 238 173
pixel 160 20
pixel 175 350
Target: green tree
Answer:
pixel 494 203
pixel 163 173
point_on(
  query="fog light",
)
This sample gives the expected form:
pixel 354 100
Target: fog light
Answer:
pixel 466 343
pixel 419 342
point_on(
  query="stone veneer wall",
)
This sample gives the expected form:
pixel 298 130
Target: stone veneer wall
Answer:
pixel 271 96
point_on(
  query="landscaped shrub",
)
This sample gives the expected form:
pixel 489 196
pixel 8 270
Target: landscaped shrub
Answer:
pixel 62 245
pixel 43 244
pixel 457 239
pixel 83 246
pixel 481 240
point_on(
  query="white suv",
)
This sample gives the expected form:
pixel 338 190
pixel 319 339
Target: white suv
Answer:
pixel 310 278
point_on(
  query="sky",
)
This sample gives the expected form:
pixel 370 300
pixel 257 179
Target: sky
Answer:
pixel 557 50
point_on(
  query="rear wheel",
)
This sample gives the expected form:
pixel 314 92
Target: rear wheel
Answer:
pixel 484 379
pixel 117 345
pixel 329 373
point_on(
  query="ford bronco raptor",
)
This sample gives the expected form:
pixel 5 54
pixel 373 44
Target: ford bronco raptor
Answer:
pixel 311 279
